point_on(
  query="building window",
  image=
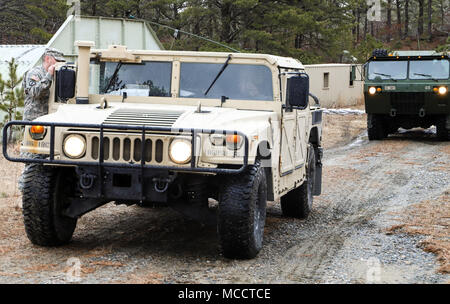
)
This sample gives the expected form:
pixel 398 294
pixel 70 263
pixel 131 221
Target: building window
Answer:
pixel 351 79
pixel 326 80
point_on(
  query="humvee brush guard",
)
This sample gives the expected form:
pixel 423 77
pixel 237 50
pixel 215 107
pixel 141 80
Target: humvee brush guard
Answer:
pixel 173 128
pixel 407 89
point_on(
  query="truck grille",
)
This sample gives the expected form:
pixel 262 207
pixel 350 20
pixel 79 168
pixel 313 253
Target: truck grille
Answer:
pixel 139 117
pixel 128 149
pixel 407 103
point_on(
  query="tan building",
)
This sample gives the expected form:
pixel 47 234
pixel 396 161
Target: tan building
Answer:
pixel 333 85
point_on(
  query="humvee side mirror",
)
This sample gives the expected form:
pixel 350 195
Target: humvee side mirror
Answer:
pixel 297 91
pixel 65 83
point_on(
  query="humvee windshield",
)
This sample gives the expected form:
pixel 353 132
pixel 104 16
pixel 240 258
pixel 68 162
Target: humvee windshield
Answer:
pixel 418 69
pixel 151 78
pixel 143 79
pixel 238 81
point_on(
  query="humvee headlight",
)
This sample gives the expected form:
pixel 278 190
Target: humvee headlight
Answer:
pixel 38 132
pixel 372 90
pixel 442 90
pixel 180 151
pixel 74 146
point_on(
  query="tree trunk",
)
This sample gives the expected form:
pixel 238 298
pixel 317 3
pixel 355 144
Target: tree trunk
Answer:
pixel 430 16
pixel 358 21
pixel 366 24
pixel 399 18
pixel 389 20
pixel 406 18
pixel 420 19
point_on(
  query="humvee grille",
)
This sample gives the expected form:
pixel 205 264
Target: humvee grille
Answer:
pixel 407 103
pixel 128 149
pixel 139 117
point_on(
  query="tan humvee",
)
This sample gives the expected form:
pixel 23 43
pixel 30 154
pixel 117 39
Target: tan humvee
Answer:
pixel 178 128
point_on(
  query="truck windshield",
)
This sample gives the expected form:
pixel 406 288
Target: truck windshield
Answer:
pixel 238 81
pixel 387 70
pixel 144 79
pixel 429 69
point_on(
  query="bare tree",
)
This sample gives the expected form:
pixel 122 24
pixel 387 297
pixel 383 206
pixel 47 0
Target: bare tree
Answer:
pixel 399 18
pixel 420 19
pixel 406 18
pixel 430 16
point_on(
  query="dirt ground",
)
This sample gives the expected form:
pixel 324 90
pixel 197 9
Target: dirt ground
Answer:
pixel 383 217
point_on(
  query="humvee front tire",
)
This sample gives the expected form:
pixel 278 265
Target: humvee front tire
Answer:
pixel 242 213
pixel 44 197
pixel 375 127
pixel 298 202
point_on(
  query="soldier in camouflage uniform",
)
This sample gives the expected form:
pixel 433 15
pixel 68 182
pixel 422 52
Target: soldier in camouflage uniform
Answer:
pixel 36 84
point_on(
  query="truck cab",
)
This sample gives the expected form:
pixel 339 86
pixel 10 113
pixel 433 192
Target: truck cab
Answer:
pixel 407 89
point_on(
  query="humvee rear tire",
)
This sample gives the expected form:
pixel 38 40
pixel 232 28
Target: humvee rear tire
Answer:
pixel 298 202
pixel 442 132
pixel 44 197
pixel 375 127
pixel 242 213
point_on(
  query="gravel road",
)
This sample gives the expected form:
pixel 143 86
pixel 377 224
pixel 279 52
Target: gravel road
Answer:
pixel 366 184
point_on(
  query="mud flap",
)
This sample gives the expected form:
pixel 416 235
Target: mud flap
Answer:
pixel 317 189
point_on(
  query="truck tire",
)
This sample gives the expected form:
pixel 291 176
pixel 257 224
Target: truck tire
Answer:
pixel 298 202
pixel 242 213
pixel 44 194
pixel 442 132
pixel 375 127
pixel 380 53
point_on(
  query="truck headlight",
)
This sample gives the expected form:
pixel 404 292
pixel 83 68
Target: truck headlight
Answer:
pixel 180 151
pixel 442 90
pixel 74 146
pixel 372 90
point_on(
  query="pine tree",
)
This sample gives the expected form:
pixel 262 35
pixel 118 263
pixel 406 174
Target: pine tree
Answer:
pixel 11 95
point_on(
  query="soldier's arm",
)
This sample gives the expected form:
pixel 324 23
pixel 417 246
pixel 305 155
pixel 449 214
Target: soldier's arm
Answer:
pixel 36 86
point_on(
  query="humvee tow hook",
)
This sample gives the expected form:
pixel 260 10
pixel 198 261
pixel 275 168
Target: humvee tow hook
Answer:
pixel 86 181
pixel 422 112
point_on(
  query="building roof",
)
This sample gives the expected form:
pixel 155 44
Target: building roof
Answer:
pixel 26 57
pixel 328 65
pixel 103 31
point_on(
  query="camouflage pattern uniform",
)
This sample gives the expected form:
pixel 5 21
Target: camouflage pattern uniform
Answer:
pixel 36 84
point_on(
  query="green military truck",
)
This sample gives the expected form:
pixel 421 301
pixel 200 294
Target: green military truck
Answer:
pixel 407 89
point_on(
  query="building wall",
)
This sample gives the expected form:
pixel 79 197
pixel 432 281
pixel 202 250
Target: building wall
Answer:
pixel 339 92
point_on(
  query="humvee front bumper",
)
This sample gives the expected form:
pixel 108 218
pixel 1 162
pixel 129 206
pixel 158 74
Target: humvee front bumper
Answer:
pixel 144 131
pixel 105 180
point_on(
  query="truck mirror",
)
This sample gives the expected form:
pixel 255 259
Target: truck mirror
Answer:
pixel 298 91
pixel 65 83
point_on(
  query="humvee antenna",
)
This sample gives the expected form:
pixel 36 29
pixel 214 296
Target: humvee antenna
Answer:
pixel 177 31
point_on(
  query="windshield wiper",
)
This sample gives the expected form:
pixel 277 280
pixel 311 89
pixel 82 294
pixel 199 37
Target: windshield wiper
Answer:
pixel 111 81
pixel 386 75
pixel 218 75
pixel 426 75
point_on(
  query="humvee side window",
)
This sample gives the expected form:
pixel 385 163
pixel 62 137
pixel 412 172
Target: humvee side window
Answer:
pixel 144 79
pixel 387 70
pixel 429 69
pixel 238 81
